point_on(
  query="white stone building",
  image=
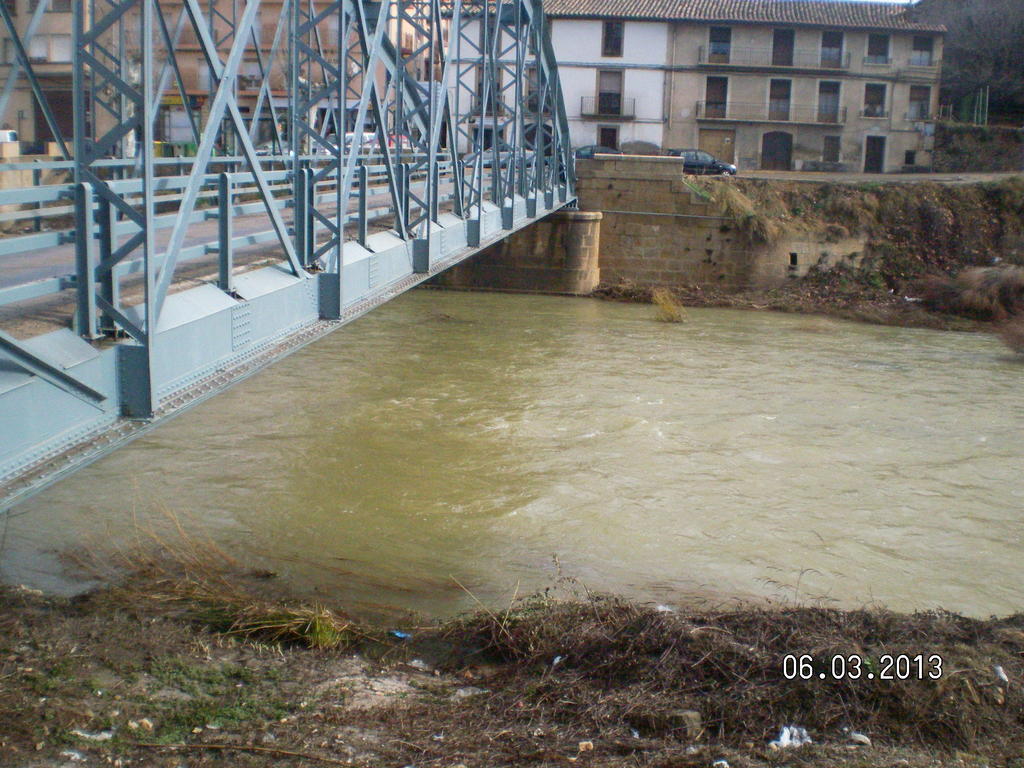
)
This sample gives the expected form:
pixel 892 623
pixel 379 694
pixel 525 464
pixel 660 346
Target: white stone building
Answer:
pixel 614 78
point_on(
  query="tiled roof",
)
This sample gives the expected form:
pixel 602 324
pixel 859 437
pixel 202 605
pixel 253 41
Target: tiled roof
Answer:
pixel 830 13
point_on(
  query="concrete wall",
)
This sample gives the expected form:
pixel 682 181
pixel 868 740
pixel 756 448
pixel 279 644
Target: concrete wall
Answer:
pixel 657 231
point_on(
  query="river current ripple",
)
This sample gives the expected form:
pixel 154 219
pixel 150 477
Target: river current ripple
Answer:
pixel 450 443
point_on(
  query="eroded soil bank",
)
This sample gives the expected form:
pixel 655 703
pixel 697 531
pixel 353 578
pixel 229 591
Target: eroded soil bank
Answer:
pixel 913 233
pixel 151 674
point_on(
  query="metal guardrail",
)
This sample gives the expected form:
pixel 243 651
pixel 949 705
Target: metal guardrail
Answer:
pixel 770 113
pixel 768 57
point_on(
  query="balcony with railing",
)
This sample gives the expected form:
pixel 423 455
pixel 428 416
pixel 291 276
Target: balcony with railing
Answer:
pixel 922 60
pixel 922 66
pixel 250 82
pixel 767 57
pixel 608 106
pixel 774 112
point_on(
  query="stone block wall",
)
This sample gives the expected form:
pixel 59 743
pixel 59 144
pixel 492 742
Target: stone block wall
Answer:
pixel 658 230
pixel 643 223
pixel 558 254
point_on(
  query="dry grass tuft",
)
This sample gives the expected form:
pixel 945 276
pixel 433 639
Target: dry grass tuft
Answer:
pixel 178 568
pixel 313 626
pixel 985 293
pixel 758 221
pixel 669 308
pixel 1012 334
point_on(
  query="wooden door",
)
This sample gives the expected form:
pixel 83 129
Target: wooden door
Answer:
pixel 777 151
pixel 828 102
pixel 609 93
pixel 721 144
pixel 782 48
pixel 874 154
pixel 778 99
pixel 716 96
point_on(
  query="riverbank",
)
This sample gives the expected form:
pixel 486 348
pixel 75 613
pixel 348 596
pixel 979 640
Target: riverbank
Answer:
pixel 845 295
pixel 161 672
pixel 865 250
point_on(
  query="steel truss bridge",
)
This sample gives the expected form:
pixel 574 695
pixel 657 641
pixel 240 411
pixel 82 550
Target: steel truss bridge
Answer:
pixel 404 135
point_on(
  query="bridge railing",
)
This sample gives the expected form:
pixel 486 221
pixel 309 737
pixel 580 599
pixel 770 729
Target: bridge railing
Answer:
pixel 48 210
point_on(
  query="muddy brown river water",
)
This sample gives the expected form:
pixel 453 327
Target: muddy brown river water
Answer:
pixel 501 442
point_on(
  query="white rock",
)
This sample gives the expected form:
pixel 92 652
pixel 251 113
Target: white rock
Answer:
pixel 860 738
pixel 97 736
pixel 791 736
pixel 469 690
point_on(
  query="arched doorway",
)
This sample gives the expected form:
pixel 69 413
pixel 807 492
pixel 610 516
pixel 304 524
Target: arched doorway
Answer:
pixel 777 151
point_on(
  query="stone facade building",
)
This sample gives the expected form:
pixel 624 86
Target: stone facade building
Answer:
pixel 49 49
pixel 770 84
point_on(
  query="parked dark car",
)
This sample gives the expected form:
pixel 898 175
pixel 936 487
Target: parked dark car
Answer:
pixel 701 163
pixel 587 152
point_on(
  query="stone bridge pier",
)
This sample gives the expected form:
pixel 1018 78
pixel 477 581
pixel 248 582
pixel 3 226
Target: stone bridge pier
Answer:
pixel 557 254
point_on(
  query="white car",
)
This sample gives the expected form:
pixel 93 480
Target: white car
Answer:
pixel 367 143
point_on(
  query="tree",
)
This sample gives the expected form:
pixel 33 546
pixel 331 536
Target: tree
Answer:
pixel 984 47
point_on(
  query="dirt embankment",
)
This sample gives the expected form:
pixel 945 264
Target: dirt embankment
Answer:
pixel 970 148
pixel 162 674
pixel 913 232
